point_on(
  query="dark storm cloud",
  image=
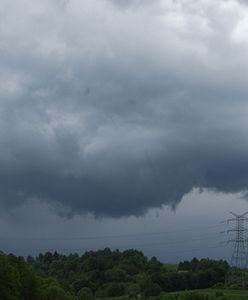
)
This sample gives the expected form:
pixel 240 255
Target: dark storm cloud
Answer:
pixel 129 3
pixel 114 113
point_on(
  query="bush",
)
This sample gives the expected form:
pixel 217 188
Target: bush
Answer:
pixel 85 294
pixel 219 294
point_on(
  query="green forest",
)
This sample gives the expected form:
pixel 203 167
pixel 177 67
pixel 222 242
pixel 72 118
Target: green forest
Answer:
pixel 111 274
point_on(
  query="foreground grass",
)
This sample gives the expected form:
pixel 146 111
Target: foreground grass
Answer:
pixel 207 294
pixel 204 294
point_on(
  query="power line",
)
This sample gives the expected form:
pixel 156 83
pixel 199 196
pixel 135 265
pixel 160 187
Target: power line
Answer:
pixel 136 245
pixel 111 236
pixel 194 249
pixel 71 250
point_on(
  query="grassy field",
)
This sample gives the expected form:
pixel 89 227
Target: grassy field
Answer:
pixel 171 267
pixel 205 294
pixel 209 293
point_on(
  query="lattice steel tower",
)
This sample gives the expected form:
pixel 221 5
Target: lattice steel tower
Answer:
pixel 239 257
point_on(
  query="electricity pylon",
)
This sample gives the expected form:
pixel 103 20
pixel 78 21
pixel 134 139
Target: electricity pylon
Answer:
pixel 239 257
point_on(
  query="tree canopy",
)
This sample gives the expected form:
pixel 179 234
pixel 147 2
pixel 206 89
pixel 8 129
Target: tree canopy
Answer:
pixel 100 274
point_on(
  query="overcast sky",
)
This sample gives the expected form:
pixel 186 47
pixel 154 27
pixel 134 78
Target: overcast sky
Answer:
pixel 120 117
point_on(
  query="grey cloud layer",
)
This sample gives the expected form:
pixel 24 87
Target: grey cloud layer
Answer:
pixel 114 111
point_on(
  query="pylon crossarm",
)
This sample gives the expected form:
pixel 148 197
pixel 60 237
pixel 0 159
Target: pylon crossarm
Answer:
pixel 238 216
pixel 237 230
pixel 238 240
pixel 231 220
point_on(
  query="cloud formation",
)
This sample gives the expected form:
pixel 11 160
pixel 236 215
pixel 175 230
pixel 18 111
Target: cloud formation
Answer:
pixel 115 107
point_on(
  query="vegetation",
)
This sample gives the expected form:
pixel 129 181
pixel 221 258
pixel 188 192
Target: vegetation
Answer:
pixel 107 274
pixel 19 281
pixel 207 294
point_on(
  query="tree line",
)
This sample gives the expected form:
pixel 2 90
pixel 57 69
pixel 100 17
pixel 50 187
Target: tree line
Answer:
pixel 102 274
